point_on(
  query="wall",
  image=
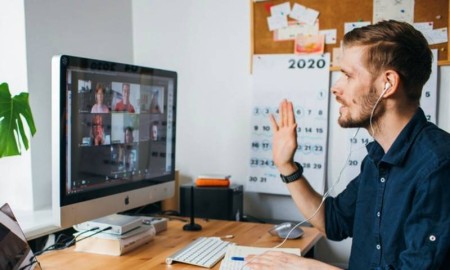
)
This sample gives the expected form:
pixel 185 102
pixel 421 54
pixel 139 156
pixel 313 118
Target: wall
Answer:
pixel 90 28
pixel 15 182
pixel 208 43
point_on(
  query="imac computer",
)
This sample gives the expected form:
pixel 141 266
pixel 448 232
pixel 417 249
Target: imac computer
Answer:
pixel 113 137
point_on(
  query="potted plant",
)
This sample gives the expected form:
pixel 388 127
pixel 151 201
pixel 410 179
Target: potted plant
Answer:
pixel 12 112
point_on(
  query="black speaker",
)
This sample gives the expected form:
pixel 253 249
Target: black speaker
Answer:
pixel 225 203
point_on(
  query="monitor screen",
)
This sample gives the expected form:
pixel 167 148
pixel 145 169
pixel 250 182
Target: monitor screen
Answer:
pixel 113 136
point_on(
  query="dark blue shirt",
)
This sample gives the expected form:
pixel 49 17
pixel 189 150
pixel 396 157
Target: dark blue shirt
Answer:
pixel 398 209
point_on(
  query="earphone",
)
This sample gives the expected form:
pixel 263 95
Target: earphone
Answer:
pixel 386 86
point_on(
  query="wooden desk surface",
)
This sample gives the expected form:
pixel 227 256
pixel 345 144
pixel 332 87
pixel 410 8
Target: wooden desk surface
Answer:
pixel 153 254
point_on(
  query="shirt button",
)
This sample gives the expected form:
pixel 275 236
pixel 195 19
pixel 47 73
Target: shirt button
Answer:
pixel 378 214
pixel 378 247
pixel 382 180
pixel 432 238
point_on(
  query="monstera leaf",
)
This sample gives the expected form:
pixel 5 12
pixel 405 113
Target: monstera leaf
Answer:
pixel 12 109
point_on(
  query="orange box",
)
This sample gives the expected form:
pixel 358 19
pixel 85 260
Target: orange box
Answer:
pixel 212 182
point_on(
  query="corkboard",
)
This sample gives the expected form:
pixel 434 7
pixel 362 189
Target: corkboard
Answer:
pixel 333 15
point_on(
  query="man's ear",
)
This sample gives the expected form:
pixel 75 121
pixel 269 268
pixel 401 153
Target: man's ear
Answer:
pixel 391 81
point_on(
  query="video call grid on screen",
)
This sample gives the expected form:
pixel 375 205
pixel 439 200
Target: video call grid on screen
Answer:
pixel 121 128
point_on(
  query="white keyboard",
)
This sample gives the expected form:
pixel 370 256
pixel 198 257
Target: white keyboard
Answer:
pixel 204 252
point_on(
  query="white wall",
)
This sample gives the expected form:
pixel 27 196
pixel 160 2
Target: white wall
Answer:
pixel 15 181
pixel 194 39
pixel 89 28
pixel 208 43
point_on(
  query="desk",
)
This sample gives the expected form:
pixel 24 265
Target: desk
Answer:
pixel 153 254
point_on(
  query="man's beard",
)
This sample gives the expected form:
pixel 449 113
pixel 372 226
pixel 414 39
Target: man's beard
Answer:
pixel 364 118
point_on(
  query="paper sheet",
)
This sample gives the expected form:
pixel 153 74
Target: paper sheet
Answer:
pixel 295 28
pixel 304 14
pixel 234 258
pixel 436 36
pixel 349 26
pixel 400 10
pixel 330 35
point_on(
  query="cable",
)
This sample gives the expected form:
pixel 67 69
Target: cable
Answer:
pixel 71 242
pixel 326 194
pixel 65 244
pixel 59 246
pixel 33 261
pixel 54 246
pixel 375 106
pixel 97 232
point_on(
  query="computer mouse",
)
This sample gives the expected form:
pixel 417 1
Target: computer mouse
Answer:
pixel 284 230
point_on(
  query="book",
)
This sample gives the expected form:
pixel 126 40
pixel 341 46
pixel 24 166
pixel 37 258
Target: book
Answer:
pixel 115 245
pixel 235 255
pixel 213 180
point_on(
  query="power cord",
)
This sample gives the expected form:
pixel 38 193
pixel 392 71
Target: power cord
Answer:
pixel 33 261
pixel 97 232
pixel 62 244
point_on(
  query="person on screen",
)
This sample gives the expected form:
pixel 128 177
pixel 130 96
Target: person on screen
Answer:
pixel 154 132
pixel 397 208
pixel 154 103
pixel 99 107
pixel 97 130
pixel 125 105
pixel 127 150
pixel 128 136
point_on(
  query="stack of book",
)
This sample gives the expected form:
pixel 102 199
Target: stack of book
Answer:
pixel 213 180
pixel 114 244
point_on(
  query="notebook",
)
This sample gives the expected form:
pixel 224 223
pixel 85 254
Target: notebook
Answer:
pixel 15 253
pixel 235 255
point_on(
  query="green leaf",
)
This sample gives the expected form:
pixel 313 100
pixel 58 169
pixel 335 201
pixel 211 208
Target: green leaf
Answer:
pixel 12 112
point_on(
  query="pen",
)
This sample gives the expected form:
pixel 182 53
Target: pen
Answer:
pixel 237 258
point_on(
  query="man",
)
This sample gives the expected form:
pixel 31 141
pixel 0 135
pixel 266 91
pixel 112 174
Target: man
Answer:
pixel 128 136
pixel 127 149
pixel 397 209
pixel 125 104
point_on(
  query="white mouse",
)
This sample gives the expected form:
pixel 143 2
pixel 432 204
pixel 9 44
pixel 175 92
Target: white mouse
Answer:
pixel 282 230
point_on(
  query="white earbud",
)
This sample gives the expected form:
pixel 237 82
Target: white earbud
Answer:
pixel 386 87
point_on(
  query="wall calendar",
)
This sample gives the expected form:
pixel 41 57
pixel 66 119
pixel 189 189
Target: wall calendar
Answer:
pixel 305 81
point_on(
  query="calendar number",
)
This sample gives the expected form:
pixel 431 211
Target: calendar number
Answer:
pixel 306 63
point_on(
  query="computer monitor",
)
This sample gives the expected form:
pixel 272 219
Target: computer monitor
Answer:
pixel 113 137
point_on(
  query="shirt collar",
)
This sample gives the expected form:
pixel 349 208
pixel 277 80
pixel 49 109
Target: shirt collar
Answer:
pixel 396 154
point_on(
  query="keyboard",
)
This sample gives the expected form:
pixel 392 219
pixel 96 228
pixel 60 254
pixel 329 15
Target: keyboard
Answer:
pixel 204 252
